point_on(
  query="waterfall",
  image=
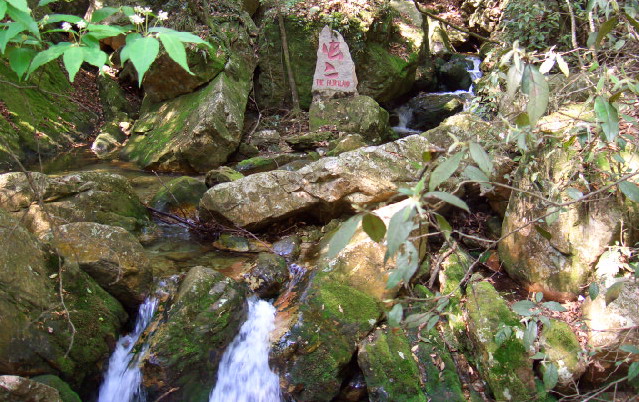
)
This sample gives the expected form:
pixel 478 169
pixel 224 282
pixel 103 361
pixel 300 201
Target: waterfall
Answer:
pixel 244 374
pixel 123 377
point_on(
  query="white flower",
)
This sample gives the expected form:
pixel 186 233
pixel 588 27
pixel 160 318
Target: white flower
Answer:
pixel 136 19
pixel 66 26
pixel 45 19
pixel 81 24
pixel 163 15
pixel 147 10
pixel 138 9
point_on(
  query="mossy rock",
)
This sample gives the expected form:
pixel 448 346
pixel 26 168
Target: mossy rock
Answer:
pixel 66 393
pixel 180 195
pixel 506 367
pixel 185 350
pixel 268 275
pixel 260 164
pixel 349 143
pixel 391 374
pixel 19 389
pixel 308 141
pixel 562 348
pixel 223 174
pixel 114 100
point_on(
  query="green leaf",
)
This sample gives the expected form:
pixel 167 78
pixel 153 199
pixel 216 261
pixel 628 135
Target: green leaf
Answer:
pixel 444 226
pixel 25 19
pixel 124 53
pixel 142 54
pixel 426 156
pixel 563 66
pixel 553 216
pixel 395 315
pixel 522 120
pixel 374 227
pixel 13 29
pixel 630 190
pixel 474 174
pixel 20 5
pixel 55 18
pixel 551 376
pixel 432 322
pixel 538 356
pixel 538 95
pixel 415 320
pixel 95 56
pixel 608 117
pixel 631 20
pixel 523 307
pixel 605 29
pixel 103 13
pixel 530 334
pixel 513 78
pixel 574 193
pixel 72 59
pixel 444 170
pixel 186 37
pixel 554 306
pixel 503 334
pixel 43 3
pixel 633 370
pixel 614 292
pixel 394 278
pixel 3 9
pixel 629 349
pixel 19 60
pixel 107 31
pixel 408 261
pixel 175 49
pixel 449 198
pixel 539 296
pixel 48 55
pixel 343 235
pixel 593 290
pixel 399 228
pixel 525 80
pixel 481 158
pixel 543 232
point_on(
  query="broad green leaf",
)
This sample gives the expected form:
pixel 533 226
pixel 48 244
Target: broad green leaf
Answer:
pixel 631 20
pixel 48 55
pixel 547 65
pixel 374 227
pixel 175 49
pixel 551 376
pixel 394 278
pixel 543 232
pixel 553 216
pixel 128 11
pixel 523 307
pixel 614 292
pixel 503 334
pixel 538 95
pixel 415 320
pixel 426 156
pixel 633 371
pixel 449 198
pixel 182 36
pixel 399 228
pixel 103 13
pixel 19 60
pixel 563 66
pixel 591 5
pixel 395 315
pixel 142 54
pixel 432 322
pixel 444 170
pixel 530 334
pixel 43 3
pixel 630 190
pixel 72 59
pixel 130 39
pixel 477 175
pixel 408 261
pixel 95 56
pixel 593 290
pixel 55 18
pixel 481 157
pixel 513 78
pixel 3 9
pixel 522 120
pixel 25 19
pixel 13 29
pixel 629 349
pixel 538 356
pixel 343 235
pixel 574 193
pixel 554 306
pixel 20 5
pixel 106 31
pixel 444 226
pixel 605 29
pixel 539 296
pixel 608 117
pixel 525 80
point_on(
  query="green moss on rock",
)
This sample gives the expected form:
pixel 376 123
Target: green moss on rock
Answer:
pixel 180 194
pixel 66 393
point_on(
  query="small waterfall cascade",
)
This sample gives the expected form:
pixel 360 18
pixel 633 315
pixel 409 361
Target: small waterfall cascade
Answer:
pixel 475 73
pixel 123 377
pixel 244 374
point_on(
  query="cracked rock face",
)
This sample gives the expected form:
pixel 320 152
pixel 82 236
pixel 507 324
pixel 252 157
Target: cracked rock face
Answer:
pixel 366 175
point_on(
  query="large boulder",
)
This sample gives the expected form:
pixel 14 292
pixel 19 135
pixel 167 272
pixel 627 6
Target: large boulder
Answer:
pixel 20 389
pixel 40 119
pixel 562 348
pixel 180 195
pixel 506 367
pixel 366 175
pixel 80 197
pixel 430 109
pixel 359 114
pixel 185 350
pixel 111 255
pixel 41 334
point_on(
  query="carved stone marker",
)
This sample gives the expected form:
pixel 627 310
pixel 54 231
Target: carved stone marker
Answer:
pixel 335 70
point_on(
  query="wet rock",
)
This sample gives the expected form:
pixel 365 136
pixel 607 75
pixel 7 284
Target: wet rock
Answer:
pixel 265 139
pixel 454 75
pixel 309 141
pixel 19 389
pixel 240 244
pixel 288 247
pixel 185 350
pixel 391 374
pixel 113 98
pixel 29 286
pixel 358 114
pixel 266 163
pixel 268 275
pixel 562 348
pixel 430 109
pixel 180 196
pixel 369 174
pixel 223 174
pixel 111 255
pixel 350 142
pixel 65 391
pixel 506 367
pixel 355 390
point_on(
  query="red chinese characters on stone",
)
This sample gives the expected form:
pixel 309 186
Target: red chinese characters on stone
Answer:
pixel 334 53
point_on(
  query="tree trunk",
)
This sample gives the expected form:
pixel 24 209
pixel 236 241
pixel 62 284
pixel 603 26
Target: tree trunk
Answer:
pixel 287 61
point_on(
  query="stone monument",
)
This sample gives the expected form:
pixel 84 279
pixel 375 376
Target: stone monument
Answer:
pixel 335 70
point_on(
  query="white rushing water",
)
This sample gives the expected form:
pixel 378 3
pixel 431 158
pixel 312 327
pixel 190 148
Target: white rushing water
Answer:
pixel 123 378
pixel 244 374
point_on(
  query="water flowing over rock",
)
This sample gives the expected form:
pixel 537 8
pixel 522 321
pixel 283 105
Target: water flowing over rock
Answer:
pixel 366 175
pixel 81 197
pixel 244 373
